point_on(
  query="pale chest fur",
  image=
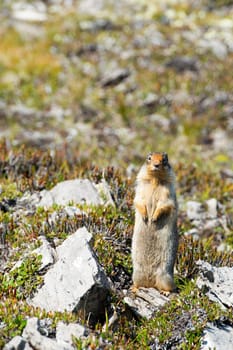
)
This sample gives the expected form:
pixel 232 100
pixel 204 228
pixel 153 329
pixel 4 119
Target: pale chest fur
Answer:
pixel 153 196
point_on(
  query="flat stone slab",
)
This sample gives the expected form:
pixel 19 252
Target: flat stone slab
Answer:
pixel 145 302
pixel 218 282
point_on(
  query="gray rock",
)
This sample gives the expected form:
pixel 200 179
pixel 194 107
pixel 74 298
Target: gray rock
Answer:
pixel 90 7
pixel 145 301
pixel 45 327
pixel 211 224
pixel 151 37
pixel 29 201
pixel 160 121
pixel 223 247
pixel 2 325
pixel 38 138
pixel 218 338
pixel 195 210
pixel 23 111
pixel 217 281
pixel 105 193
pixel 77 191
pixel 47 253
pixel 65 332
pixel 115 77
pixel 17 343
pixel 226 173
pixel 98 24
pixel 183 63
pixel 217 46
pixel 212 208
pixel 30 12
pixel 192 232
pixel 206 217
pixel 222 141
pixel 39 342
pixel 151 101
pixel 76 281
pixel 73 211
pixel 67 211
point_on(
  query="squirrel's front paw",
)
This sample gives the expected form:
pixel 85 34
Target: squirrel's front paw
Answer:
pixel 161 212
pixel 145 219
pixel 154 218
pixel 156 215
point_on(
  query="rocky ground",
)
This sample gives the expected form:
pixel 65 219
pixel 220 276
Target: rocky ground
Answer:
pixel 87 89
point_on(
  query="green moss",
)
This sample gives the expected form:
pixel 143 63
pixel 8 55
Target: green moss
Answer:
pixel 9 190
pixel 22 281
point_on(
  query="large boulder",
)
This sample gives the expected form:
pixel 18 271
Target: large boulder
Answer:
pixel 76 281
pixel 71 191
pixel 78 191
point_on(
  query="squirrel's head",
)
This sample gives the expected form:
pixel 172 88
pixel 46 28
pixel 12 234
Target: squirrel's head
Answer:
pixel 157 161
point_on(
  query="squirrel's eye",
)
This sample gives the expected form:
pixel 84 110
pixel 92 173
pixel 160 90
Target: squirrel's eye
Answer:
pixel 149 158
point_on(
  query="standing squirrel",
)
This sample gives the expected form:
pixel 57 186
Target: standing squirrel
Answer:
pixel 155 237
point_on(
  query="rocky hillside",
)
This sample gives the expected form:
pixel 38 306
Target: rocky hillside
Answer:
pixel 87 89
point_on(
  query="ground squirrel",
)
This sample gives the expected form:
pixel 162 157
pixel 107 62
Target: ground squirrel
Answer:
pixel 155 237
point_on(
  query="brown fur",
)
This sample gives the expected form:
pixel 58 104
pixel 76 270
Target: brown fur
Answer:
pixel 155 237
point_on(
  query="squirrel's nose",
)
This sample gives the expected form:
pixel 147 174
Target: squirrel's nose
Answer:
pixel 156 166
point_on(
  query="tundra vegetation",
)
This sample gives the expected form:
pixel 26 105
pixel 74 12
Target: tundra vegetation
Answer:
pixel 86 92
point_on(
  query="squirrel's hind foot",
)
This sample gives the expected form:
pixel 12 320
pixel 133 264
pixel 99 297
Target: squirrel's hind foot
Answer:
pixel 133 289
pixel 166 293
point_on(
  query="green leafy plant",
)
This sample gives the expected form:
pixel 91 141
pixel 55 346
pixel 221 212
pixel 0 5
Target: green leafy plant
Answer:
pixel 22 281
